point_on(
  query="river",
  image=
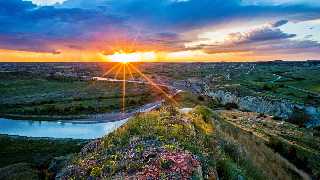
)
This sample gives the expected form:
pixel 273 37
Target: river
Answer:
pixel 94 127
pixel 90 128
pixel 57 129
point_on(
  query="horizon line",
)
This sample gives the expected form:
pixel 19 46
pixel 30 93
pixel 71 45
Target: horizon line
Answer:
pixel 201 61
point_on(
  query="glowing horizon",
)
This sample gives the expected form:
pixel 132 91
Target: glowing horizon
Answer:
pixel 198 56
pixel 166 31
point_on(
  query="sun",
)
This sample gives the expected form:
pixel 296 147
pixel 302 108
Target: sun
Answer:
pixel 124 71
pixel 131 57
pixel 123 57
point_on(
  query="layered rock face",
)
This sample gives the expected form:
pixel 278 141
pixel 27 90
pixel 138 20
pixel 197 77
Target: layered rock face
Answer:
pixel 279 108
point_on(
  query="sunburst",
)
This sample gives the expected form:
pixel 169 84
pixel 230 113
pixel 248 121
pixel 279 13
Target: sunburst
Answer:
pixel 127 69
pixel 125 59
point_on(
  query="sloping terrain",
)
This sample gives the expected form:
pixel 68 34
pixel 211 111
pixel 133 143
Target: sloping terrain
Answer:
pixel 169 144
pixel 159 144
pixel 300 146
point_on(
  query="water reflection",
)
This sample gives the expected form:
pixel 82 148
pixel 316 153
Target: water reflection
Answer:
pixel 57 129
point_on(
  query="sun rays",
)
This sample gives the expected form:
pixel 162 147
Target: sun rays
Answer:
pixel 124 88
pixel 125 56
pixel 127 72
pixel 153 84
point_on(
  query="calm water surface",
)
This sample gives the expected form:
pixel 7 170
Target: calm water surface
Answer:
pixel 56 129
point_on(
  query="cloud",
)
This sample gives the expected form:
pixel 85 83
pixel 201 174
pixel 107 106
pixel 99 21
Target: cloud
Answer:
pixel 282 46
pixel 258 35
pixel 280 2
pixel 46 2
pixel 190 14
pixel 159 25
pixel 279 23
pixel 265 40
pixel 26 43
pixel 25 26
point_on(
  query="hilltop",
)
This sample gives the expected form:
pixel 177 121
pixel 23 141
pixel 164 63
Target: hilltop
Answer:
pixel 196 144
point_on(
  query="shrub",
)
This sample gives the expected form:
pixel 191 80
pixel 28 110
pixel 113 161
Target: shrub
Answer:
pixel 228 169
pixel 266 87
pixel 277 118
pixel 165 163
pixel 230 106
pixel 204 112
pixel 214 103
pixel 95 172
pixel 299 117
pixel 200 98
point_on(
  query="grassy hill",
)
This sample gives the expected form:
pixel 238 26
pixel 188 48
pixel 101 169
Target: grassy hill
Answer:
pixel 169 144
pixel 159 144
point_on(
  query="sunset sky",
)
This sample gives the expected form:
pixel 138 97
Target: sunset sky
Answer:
pixel 159 30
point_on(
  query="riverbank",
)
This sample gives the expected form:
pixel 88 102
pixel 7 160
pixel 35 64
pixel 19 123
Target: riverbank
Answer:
pixel 38 97
pixel 89 118
pixel 94 127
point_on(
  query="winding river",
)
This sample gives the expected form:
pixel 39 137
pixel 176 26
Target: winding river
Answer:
pixel 57 129
pixel 93 127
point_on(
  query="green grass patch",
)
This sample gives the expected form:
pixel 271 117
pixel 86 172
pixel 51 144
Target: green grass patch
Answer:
pixel 35 151
pixel 34 94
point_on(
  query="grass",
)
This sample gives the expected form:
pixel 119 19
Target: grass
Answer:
pixel 223 147
pixel 166 128
pixel 35 151
pixel 250 155
pixel 303 158
pixel 167 124
pixel 19 171
pixel 32 94
pixel 190 100
pixel 260 81
pixel 22 156
pixel 299 77
pixel 296 144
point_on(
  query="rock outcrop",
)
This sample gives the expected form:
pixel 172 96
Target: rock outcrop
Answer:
pixel 279 108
